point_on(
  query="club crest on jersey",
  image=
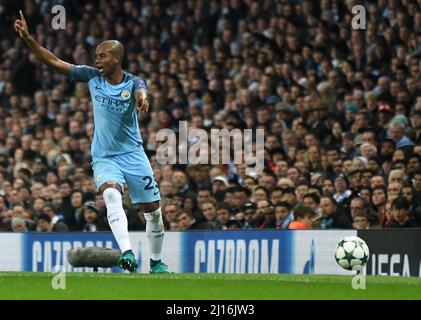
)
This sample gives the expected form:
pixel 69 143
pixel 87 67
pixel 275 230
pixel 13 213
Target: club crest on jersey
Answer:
pixel 98 178
pixel 125 94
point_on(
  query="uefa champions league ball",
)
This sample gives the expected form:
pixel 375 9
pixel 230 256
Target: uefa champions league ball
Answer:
pixel 352 253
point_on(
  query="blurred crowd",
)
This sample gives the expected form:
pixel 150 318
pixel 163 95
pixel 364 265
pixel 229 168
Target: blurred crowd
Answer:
pixel 340 108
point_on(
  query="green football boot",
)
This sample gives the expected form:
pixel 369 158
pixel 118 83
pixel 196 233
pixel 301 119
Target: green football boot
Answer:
pixel 128 261
pixel 158 267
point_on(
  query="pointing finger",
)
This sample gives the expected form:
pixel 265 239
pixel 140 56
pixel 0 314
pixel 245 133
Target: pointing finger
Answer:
pixel 21 16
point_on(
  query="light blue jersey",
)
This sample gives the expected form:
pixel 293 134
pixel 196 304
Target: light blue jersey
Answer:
pixel 115 115
pixel 117 147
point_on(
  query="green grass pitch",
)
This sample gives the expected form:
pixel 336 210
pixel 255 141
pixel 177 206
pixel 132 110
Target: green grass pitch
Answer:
pixel 31 285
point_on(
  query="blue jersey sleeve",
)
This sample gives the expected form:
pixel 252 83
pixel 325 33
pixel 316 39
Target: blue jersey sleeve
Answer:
pixel 140 85
pixel 83 73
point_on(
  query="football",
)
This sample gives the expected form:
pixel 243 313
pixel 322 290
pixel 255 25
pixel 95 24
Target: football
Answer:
pixel 352 253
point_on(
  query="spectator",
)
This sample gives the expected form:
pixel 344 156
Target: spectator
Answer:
pixel 223 215
pixel 57 220
pixel 233 224
pixel 169 211
pixel 416 183
pixel 288 195
pixel 300 191
pixel 136 219
pixel 393 190
pixel 283 214
pixel 342 192
pixel 43 223
pixel 365 193
pixel 186 221
pixel 413 164
pixel 332 217
pixel 74 217
pixel 328 187
pixel 209 212
pixel 265 215
pixel 360 222
pixel 401 214
pixel 303 218
pixel 241 197
pixel 397 176
pixel 312 200
pixel 18 225
pixel 260 193
pixel 397 134
pixel 6 220
pixel 249 182
pixel 247 215
pixel 3 204
pixel 408 193
pixel 91 217
pixel 361 205
pixel 387 220
pixel 276 195
pixel 242 218
pixel 219 183
pixel 366 176
pixel 377 181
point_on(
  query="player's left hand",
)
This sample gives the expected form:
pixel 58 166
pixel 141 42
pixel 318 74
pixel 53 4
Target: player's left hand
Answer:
pixel 142 102
pixel 21 26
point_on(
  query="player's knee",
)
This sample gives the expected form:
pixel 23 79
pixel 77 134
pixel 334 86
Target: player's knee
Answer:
pixel 110 184
pixel 111 192
pixel 112 197
pixel 150 207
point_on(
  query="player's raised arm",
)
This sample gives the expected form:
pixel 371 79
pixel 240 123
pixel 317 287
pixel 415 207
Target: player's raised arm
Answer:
pixel 40 52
